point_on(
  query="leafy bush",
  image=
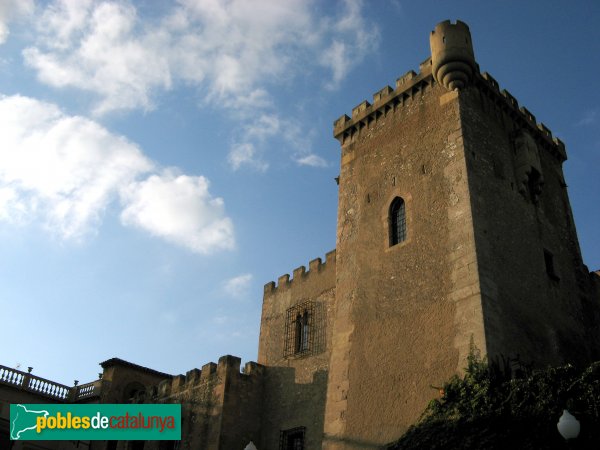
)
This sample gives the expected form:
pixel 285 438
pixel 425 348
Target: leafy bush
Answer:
pixel 504 404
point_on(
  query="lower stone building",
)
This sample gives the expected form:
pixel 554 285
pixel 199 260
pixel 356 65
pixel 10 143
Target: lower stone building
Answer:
pixel 454 230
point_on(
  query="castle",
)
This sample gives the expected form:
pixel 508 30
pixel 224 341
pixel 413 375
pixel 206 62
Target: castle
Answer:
pixel 454 230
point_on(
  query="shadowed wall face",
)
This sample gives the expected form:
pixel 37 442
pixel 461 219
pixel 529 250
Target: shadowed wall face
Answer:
pixel 535 288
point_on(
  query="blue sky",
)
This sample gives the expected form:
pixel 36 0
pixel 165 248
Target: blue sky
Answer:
pixel 161 161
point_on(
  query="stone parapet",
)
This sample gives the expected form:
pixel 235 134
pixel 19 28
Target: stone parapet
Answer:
pixel 502 98
pixel 384 100
pixel 228 366
pixel 316 266
pixel 411 83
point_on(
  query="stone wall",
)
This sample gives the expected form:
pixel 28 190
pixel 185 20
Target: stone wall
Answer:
pixel 296 384
pixel 524 230
pixel 220 405
pixel 405 314
pixel 491 256
pixel 290 404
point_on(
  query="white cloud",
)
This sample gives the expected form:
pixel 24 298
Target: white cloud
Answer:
pixel 96 47
pixel 246 43
pixel 65 20
pixel 12 208
pixel 63 169
pixel 298 139
pixel 232 50
pixel 237 287
pixel 590 117
pixel 352 39
pixel 265 126
pixel 312 160
pixel 104 48
pixel 180 209
pixel 10 10
pixel 336 57
pixel 245 154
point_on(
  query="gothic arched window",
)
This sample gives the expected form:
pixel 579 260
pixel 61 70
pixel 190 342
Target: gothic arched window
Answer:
pixel 397 218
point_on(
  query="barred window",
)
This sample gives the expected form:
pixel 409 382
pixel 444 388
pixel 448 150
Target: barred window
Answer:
pixel 397 219
pixel 303 330
pixel 292 439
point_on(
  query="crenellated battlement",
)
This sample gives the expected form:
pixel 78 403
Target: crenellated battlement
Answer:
pixel 509 104
pixel 210 373
pixel 388 100
pixel 384 101
pixel 315 266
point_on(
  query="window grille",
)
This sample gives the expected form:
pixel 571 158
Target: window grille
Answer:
pixel 303 330
pixel 397 221
pixel 292 439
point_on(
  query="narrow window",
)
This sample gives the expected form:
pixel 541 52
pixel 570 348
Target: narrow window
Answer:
pixel 305 332
pixel 298 334
pixel 292 439
pixel 550 269
pixel 397 221
pixel 302 332
pixel 534 185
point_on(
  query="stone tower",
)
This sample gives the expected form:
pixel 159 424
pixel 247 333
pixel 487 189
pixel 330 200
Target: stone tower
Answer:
pixel 454 229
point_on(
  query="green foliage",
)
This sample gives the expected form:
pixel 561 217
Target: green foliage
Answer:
pixel 503 404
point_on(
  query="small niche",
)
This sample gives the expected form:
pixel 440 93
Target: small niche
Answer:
pixel 550 265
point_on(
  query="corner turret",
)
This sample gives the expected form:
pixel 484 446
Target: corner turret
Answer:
pixel 452 58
